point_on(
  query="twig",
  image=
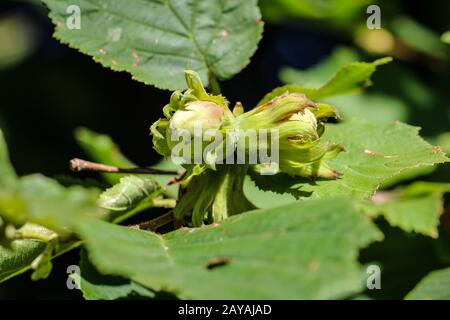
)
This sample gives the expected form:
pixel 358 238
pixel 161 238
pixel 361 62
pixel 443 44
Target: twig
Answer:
pixel 156 223
pixel 180 176
pixel 79 165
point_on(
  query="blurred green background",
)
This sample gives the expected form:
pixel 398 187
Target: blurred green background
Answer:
pixel 48 90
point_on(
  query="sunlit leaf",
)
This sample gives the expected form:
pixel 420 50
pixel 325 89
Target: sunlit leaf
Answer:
pixel 319 74
pixel 446 37
pixel 379 108
pixel 416 207
pixel 374 153
pixel 300 251
pixel 350 78
pixel 43 201
pixel 157 40
pixel 333 12
pixel 435 286
pixel 17 39
pixel 17 258
pixel 128 193
pixel 8 176
pixel 418 36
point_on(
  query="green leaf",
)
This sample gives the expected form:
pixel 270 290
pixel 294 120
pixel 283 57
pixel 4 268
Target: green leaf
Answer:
pixel 101 148
pixel 18 41
pixel 343 13
pixel 378 108
pixel 264 194
pixel 375 107
pixel 416 207
pixel 96 286
pixel 350 78
pixel 301 251
pixel 418 36
pixel 128 193
pixel 41 200
pixel 407 175
pixel 8 176
pixel 446 37
pixel 17 258
pixel 319 74
pixel 374 153
pixel 133 194
pixel 443 140
pixel 156 40
pixel 435 286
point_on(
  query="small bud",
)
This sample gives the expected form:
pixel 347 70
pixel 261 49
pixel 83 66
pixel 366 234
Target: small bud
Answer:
pixel 189 115
pixel 238 109
pixel 301 152
pixel 305 116
pixel 207 114
pixel 276 111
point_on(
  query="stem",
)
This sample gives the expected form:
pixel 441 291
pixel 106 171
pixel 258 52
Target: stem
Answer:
pixel 156 223
pixel 214 84
pixel 141 207
pixel 79 165
pixel 230 198
pixel 164 203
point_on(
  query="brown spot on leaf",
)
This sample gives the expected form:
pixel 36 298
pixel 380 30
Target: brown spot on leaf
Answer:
pixel 314 266
pixel 136 56
pixel 102 51
pixel 114 62
pixel 217 262
pixel 436 149
pixel 336 174
pixel 369 152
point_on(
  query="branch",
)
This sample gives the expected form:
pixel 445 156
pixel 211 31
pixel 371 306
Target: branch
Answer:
pixel 156 223
pixel 78 165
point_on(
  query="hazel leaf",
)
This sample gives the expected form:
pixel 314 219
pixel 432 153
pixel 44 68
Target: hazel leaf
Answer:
pixel 435 286
pixel 416 207
pixel 350 78
pixel 374 153
pixel 156 40
pixel 299 251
